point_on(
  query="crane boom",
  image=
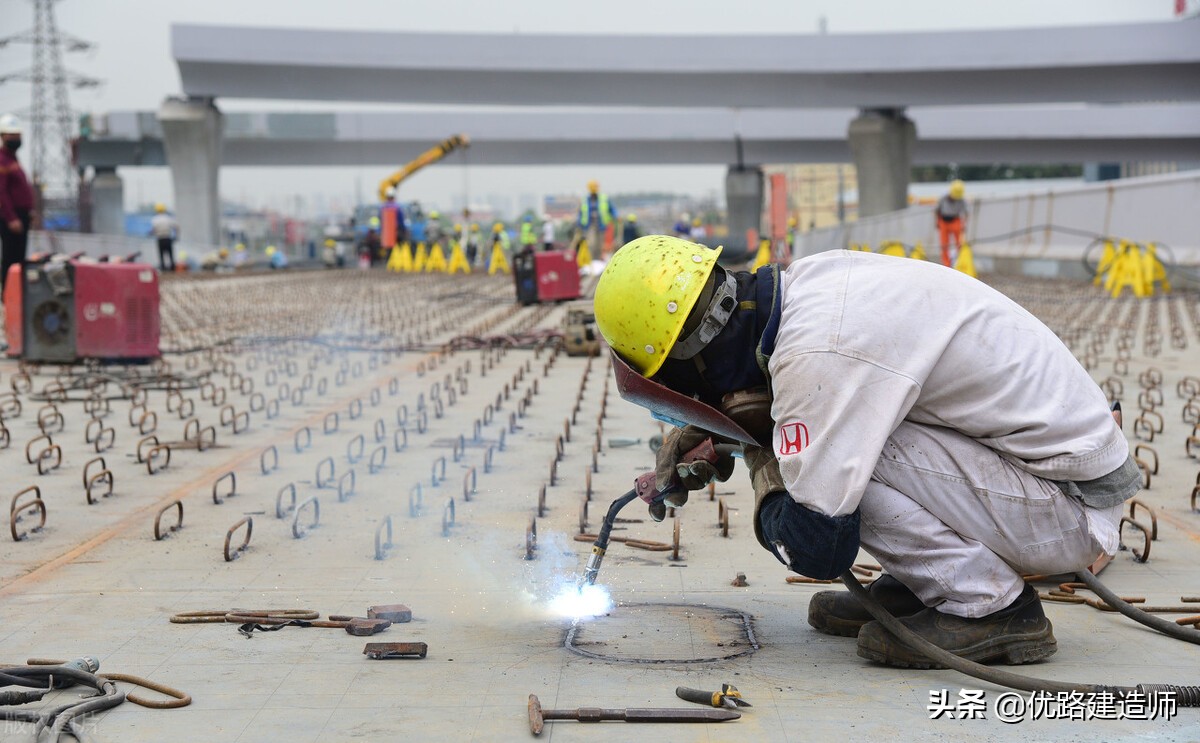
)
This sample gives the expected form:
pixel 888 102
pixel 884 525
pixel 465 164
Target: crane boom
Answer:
pixel 429 157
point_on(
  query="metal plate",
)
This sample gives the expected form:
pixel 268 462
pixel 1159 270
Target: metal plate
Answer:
pixel 671 634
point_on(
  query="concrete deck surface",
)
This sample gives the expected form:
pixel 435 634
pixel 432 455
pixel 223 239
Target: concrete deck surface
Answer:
pixel 95 581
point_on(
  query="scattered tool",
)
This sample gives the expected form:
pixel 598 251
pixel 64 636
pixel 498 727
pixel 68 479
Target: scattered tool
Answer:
pixel 395 650
pixel 728 696
pixel 537 715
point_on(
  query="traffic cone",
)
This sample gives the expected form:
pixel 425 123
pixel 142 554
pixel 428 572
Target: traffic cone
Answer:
pixel 420 259
pixel 918 252
pixel 437 260
pixel 498 263
pixel 965 261
pixel 458 260
pixel 763 256
pixel 893 248
pixel 583 256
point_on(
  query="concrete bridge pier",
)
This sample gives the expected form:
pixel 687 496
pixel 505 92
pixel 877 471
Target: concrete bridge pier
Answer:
pixel 882 141
pixel 108 202
pixel 744 204
pixel 192 134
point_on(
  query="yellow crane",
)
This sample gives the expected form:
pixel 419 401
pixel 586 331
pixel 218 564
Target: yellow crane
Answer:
pixel 429 157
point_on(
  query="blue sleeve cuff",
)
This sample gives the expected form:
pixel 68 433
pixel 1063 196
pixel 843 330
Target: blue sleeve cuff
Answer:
pixel 807 542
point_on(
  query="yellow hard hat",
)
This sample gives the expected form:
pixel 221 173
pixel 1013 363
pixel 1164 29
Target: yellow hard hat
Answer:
pixel 223 252
pixel 957 188
pixel 696 222
pixel 791 222
pixel 330 242
pixel 593 186
pixel 373 223
pixel 434 215
pixel 457 227
pixel 474 227
pixel 498 227
pixel 159 208
pixel 645 294
pixel 270 250
pixel 631 218
pixel 239 247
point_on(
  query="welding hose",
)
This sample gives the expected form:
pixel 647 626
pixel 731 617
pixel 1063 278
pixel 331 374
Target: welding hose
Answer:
pixel 1155 623
pixel 1185 696
pixel 62 718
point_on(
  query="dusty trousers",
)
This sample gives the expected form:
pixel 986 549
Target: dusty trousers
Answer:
pixel 958 523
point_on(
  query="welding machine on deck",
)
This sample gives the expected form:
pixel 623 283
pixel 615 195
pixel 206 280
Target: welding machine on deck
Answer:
pixel 68 311
pixel 548 276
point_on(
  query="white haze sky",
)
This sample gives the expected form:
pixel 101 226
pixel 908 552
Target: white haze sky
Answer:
pixel 132 57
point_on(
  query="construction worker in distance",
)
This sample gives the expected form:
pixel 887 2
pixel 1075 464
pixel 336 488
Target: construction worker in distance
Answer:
pixel 951 217
pixel 166 231
pixel 434 232
pixel 239 255
pixel 911 411
pixel 790 237
pixel 276 258
pixel 596 213
pixel 390 224
pixel 683 226
pixel 528 235
pixel 548 234
pixel 500 237
pixel 472 247
pixel 16 199
pixel 631 231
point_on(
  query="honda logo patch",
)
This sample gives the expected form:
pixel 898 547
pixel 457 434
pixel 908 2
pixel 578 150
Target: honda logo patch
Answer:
pixel 793 438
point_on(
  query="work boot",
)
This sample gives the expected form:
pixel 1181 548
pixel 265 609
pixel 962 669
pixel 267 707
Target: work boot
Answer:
pixel 1017 634
pixel 839 613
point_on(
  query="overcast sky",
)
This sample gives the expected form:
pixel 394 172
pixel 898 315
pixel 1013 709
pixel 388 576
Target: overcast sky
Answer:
pixel 132 57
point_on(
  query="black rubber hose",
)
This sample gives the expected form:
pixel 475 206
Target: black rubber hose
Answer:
pixel 1156 623
pixel 63 717
pixel 1185 696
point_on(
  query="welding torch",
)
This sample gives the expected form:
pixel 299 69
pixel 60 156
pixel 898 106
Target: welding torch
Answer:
pixel 645 488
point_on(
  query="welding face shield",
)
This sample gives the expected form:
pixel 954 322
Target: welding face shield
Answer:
pixel 712 377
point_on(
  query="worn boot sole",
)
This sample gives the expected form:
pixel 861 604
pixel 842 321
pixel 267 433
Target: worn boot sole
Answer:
pixel 1013 650
pixel 831 625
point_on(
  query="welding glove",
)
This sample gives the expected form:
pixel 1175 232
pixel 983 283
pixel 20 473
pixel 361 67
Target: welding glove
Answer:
pixel 766 479
pixel 694 476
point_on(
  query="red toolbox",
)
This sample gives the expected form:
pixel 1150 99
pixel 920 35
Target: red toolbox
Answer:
pixel 557 275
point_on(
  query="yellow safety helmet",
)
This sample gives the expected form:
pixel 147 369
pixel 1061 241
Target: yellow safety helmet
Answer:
pixel 330 242
pixel 434 215
pixel 270 250
pixel 498 227
pixel 373 223
pixel 593 187
pixel 631 218
pixel 223 252
pixel 791 222
pixel 474 227
pixel 957 188
pixel 696 222
pixel 159 208
pixel 645 294
pixel 240 247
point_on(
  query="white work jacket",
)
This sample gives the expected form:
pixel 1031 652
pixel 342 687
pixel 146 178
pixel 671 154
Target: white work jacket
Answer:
pixel 866 341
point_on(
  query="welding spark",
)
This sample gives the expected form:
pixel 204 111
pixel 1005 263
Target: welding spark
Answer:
pixel 580 602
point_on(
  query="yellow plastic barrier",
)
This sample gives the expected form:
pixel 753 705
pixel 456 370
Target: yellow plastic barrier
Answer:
pixel 437 260
pixel 893 248
pixel 583 256
pixel 965 261
pixel 1107 259
pixel 400 260
pixel 498 263
pixel 458 260
pixel 421 258
pixel 763 256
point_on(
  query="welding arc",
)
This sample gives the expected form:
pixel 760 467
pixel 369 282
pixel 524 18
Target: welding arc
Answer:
pixel 1185 696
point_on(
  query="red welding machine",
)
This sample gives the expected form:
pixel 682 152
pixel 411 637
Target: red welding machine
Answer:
pixel 67 311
